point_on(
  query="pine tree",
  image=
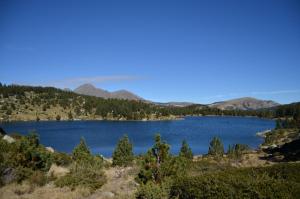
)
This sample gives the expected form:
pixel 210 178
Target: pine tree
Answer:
pixel 216 147
pixel 186 151
pixel 231 151
pixel 123 155
pixel 81 152
pixel 160 149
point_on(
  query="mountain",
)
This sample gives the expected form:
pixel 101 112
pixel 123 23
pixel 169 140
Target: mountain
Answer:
pixel 90 90
pixel 124 94
pixel 246 103
pixel 176 104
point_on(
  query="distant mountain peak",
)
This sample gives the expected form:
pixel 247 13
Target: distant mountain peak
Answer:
pixel 244 103
pixel 91 90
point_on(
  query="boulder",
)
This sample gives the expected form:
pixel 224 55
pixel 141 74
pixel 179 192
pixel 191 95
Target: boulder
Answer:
pixel 58 171
pixel 8 139
pixel 8 175
pixel 50 149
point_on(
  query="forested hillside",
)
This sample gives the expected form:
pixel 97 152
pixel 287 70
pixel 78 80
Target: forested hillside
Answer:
pixel 49 103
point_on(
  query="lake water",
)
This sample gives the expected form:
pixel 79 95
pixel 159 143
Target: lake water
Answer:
pixel 102 136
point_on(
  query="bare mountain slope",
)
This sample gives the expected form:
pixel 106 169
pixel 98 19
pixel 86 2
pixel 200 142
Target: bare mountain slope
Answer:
pixel 246 103
pixel 89 89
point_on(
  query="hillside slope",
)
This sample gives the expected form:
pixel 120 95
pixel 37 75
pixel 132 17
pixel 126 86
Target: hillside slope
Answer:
pixel 246 103
pixel 90 90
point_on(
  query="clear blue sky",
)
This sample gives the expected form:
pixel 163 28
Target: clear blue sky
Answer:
pixel 198 51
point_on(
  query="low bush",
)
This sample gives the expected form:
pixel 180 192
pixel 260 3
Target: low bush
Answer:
pixel 280 181
pixel 85 175
pixel 86 170
pixel 123 154
pixel 38 178
pixel 61 159
pixel 152 190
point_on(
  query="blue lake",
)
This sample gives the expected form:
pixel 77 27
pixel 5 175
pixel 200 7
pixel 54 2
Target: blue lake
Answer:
pixel 102 136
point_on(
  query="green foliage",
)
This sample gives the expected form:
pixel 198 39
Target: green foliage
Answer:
pixel 81 152
pixel 85 174
pixel 235 151
pixel 154 160
pixel 216 147
pixel 27 152
pixel 279 181
pixel 58 117
pixel 9 112
pixel 25 158
pixel 160 150
pixel 123 155
pixel 287 123
pixel 86 170
pixel 158 165
pixel 70 116
pixel 152 190
pixel 61 159
pixel 186 151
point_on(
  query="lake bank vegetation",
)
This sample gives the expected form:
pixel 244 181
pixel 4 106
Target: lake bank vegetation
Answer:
pixel 28 169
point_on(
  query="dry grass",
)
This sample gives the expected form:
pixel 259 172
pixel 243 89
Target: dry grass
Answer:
pixel 58 171
pixel 120 182
pixel 26 191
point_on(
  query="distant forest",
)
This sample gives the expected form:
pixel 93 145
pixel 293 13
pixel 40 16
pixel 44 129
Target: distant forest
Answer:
pixel 14 96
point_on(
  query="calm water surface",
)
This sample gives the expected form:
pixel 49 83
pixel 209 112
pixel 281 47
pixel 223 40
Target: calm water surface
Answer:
pixel 102 136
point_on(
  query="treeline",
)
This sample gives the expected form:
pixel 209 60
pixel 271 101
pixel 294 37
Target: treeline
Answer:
pixel 288 116
pixel 81 105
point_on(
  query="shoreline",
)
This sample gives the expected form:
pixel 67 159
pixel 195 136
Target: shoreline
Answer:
pixel 176 118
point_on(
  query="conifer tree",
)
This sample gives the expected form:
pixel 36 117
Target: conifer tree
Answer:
pixel 81 152
pixel 123 155
pixel 186 151
pixel 216 147
pixel 160 149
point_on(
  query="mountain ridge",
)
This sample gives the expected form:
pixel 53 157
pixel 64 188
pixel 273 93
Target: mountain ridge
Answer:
pixel 244 103
pixel 91 90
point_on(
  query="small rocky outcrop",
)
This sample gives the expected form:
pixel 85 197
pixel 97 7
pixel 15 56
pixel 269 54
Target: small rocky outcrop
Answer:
pixel 8 139
pixel 58 171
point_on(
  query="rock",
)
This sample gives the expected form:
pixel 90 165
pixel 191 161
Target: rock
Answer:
pixel 8 175
pixel 58 171
pixel 8 139
pixel 273 146
pixel 50 149
pixel 107 194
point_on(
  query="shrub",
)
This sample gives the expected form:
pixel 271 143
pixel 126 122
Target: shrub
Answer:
pixel 24 157
pixel 38 178
pixel 123 155
pixel 85 174
pixel 153 160
pixel 86 170
pixel 153 191
pixel 81 152
pixel 216 147
pixel 267 182
pixel 186 151
pixel 58 117
pixel 61 159
pixel 27 152
pixel 235 151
